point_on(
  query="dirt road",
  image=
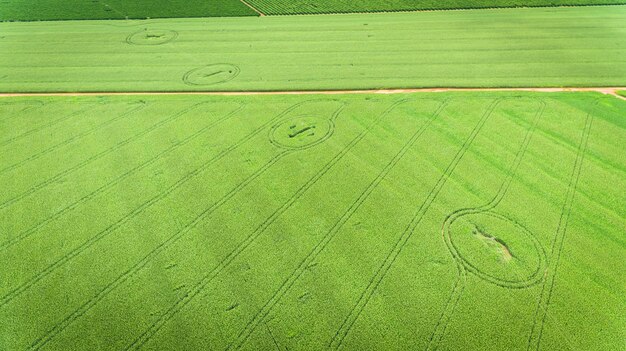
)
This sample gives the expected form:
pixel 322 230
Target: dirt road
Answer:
pixel 604 90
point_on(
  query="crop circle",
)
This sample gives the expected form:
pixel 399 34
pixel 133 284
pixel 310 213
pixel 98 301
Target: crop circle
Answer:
pixel 497 249
pixel 152 37
pixel 301 132
pixel 211 74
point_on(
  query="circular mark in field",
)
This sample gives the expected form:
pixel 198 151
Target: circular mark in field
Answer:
pixel 152 37
pixel 301 132
pixel 497 249
pixel 211 74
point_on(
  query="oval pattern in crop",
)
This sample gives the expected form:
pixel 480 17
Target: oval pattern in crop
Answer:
pixel 152 37
pixel 211 74
pixel 497 249
pixel 301 132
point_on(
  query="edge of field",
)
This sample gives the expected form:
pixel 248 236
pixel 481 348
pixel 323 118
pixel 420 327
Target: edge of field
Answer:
pixel 435 9
pixel 260 12
pixel 618 92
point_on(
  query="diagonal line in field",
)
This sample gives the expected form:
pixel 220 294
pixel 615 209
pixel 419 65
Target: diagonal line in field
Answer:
pixel 442 324
pixel 252 8
pixel 84 308
pixel 86 162
pixel 71 139
pixel 285 287
pixel 30 106
pixel 111 228
pixel 129 273
pixel 386 265
pixel 47 125
pixel 541 311
pixel 154 328
pixel 105 187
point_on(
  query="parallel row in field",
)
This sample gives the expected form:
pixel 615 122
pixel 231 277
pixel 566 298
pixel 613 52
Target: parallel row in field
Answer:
pixel 292 7
pixel 482 48
pixel 305 222
pixel 49 10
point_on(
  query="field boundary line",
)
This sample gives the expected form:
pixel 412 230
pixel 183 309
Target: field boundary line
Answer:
pixel 261 14
pixel 603 90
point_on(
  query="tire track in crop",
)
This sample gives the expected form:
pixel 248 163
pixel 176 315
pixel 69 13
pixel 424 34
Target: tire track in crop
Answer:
pixel 536 333
pixel 85 307
pixel 129 273
pixel 71 139
pixel 118 224
pixel 286 286
pixel 502 191
pixel 380 274
pixel 118 179
pixel 86 162
pixel 163 319
pixel 459 285
pixel 43 127
pixel 33 105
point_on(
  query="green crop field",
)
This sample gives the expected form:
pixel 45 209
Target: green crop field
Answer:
pixel 342 180
pixel 291 7
pixel 433 221
pixel 583 46
pixel 46 10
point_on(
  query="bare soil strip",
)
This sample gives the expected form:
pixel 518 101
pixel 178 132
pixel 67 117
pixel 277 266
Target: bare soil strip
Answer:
pixel 603 90
pixel 253 8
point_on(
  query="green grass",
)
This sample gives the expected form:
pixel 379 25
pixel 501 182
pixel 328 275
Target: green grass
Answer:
pixel 482 48
pixel 195 222
pixel 290 7
pixel 47 10
pixel 622 93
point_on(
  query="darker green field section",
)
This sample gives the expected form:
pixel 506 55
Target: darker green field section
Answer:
pixel 49 10
pixel 292 7
pixel 452 221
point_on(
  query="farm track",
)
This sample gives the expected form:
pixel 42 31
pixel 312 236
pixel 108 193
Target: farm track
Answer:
pixel 252 8
pixel 604 90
